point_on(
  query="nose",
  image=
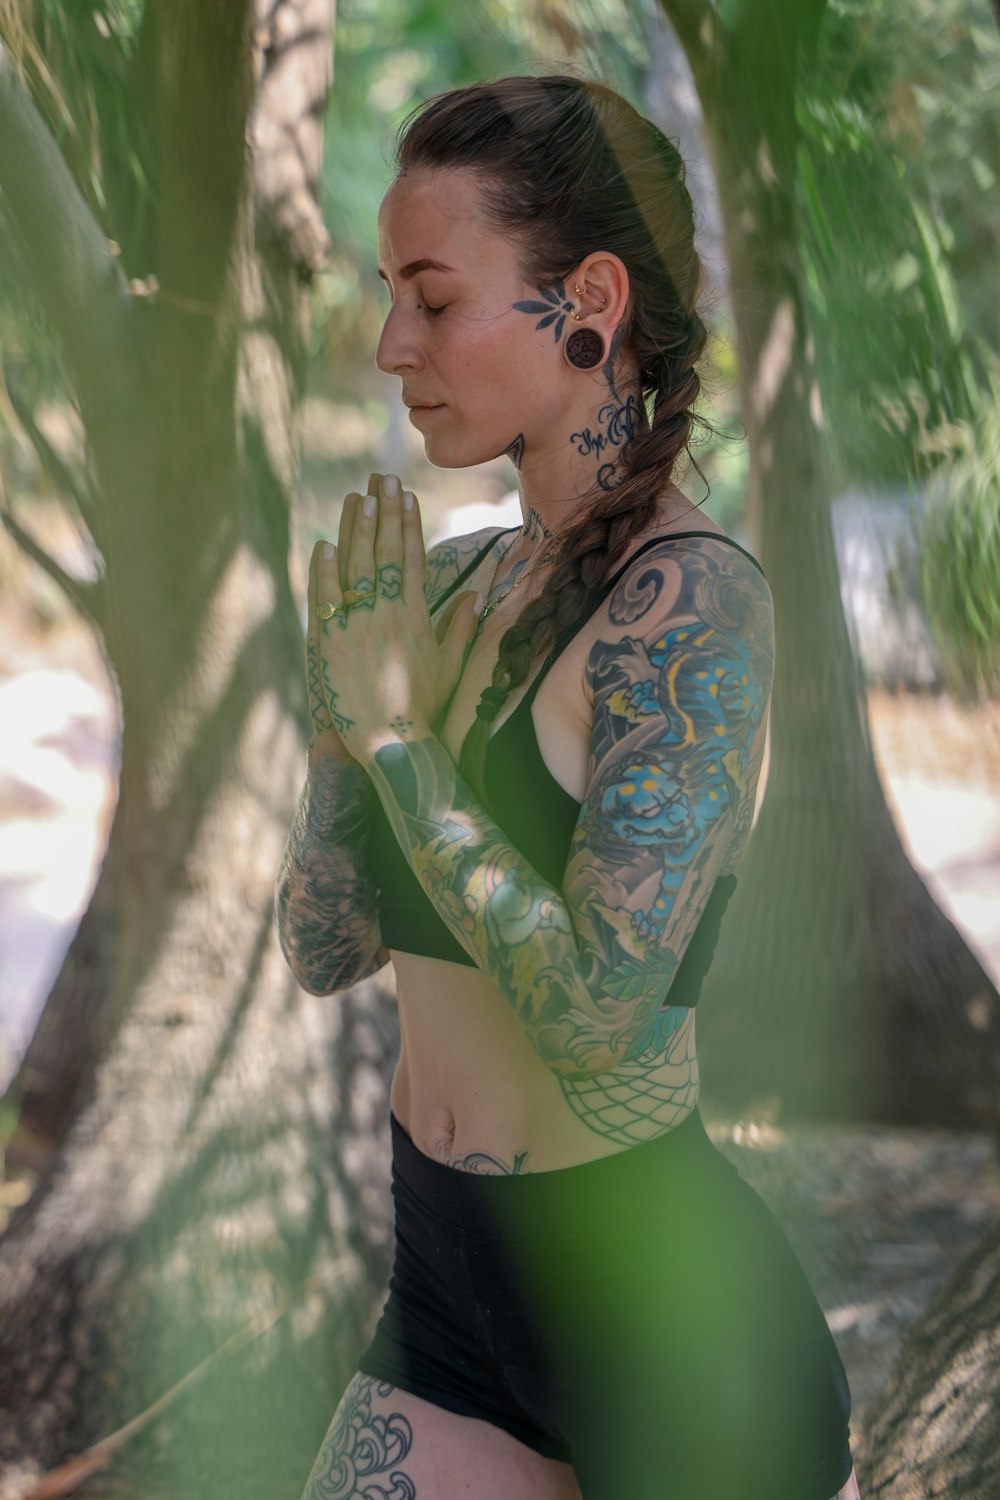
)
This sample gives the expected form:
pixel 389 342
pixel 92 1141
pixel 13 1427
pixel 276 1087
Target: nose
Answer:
pixel 397 351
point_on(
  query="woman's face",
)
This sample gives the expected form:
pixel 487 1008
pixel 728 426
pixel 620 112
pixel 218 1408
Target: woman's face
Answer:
pixel 477 373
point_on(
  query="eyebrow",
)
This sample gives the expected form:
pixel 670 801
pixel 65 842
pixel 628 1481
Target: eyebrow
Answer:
pixel 414 266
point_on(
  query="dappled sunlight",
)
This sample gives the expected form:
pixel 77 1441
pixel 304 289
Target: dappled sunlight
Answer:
pixel 57 788
pixel 776 356
pixel 940 767
pixel 246 592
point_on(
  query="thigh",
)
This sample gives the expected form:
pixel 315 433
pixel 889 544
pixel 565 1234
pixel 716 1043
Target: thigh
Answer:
pixel 384 1444
pixel 695 1362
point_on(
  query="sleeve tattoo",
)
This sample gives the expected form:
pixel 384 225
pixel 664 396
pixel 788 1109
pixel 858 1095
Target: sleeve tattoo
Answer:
pixel 325 899
pixel 680 679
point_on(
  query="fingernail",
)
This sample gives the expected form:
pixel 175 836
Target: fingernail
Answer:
pixel 390 485
pixel 480 604
pixel 409 499
pixel 328 551
pixel 368 506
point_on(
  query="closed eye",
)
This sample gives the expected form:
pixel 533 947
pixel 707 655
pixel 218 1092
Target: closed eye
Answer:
pixel 434 310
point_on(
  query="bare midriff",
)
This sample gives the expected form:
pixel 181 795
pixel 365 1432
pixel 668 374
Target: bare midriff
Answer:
pixel 469 1081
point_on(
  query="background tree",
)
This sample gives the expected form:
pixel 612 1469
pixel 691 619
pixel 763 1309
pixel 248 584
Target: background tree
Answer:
pixel 856 996
pixel 189 1185
pixel 936 1429
pixel 875 963
pixel 204 1131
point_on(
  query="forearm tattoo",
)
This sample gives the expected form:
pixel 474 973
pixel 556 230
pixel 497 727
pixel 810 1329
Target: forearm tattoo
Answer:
pixel 680 693
pixel 325 899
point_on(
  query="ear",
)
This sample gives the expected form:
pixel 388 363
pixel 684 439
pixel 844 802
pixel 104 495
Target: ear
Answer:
pixel 602 298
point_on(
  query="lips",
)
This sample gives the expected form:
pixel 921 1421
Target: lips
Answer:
pixel 422 405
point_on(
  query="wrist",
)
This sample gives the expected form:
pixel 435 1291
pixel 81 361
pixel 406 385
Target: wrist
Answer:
pixel 400 733
pixel 334 790
pixel 327 747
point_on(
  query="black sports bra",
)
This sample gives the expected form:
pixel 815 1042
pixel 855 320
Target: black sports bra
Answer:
pixel 536 814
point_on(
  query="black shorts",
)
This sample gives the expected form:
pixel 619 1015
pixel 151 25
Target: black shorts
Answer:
pixel 641 1316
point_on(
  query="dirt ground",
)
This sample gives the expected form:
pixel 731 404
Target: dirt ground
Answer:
pixel 879 1217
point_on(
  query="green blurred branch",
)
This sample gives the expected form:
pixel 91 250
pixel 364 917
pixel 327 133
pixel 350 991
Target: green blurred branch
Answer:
pixel 62 249
pixel 696 23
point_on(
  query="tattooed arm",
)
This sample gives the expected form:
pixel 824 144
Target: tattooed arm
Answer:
pixel 325 899
pixel 680 678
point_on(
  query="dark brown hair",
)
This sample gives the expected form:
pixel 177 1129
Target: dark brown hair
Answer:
pixel 570 168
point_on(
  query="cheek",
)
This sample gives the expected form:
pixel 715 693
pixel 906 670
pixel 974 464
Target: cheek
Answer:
pixel 508 370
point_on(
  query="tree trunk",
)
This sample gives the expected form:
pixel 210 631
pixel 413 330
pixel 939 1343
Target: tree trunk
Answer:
pixel 213 1199
pixel 840 989
pixel 936 1430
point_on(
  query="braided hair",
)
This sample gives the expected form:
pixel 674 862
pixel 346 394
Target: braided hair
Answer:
pixel 570 168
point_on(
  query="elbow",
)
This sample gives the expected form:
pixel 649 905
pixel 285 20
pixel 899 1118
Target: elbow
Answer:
pixel 323 970
pixel 316 984
pixel 331 980
pixel 333 972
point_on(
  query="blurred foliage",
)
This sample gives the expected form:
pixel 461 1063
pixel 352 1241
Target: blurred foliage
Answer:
pixel 390 56
pixel 898 165
pixel 960 559
pixel 898 162
pixel 78 61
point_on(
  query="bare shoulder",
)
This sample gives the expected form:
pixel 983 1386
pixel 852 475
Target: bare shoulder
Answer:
pixel 710 579
pixel 684 646
pixel 679 673
pixel 447 559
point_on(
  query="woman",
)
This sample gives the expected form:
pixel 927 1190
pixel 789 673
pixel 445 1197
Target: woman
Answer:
pixel 586 1299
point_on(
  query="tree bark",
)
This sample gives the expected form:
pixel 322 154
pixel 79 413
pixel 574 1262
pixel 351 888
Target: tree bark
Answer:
pixel 936 1430
pixel 840 990
pixel 213 1150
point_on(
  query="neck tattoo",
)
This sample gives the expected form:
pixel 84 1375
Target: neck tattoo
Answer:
pixel 534 527
pixel 617 424
pixel 515 451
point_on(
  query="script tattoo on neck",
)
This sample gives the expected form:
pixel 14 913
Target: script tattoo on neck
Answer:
pixel 617 424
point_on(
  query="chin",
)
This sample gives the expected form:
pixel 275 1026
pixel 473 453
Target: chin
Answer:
pixel 456 455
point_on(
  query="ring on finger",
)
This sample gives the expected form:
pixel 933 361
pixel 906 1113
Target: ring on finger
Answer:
pixel 329 611
pixel 352 596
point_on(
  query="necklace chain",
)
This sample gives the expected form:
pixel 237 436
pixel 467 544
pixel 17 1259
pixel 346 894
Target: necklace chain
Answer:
pixel 491 605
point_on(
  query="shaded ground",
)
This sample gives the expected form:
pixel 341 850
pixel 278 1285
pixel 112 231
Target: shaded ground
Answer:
pixel 878 1217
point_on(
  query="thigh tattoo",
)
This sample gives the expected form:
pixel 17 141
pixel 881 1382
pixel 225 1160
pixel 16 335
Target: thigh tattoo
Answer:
pixel 361 1453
